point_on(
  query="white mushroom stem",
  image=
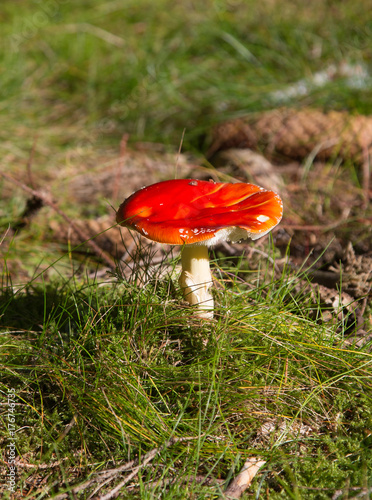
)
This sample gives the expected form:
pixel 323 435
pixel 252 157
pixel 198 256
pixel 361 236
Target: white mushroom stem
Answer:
pixel 196 279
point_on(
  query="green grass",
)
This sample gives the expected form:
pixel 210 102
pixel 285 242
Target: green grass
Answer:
pixel 106 370
pixel 132 368
pixel 154 69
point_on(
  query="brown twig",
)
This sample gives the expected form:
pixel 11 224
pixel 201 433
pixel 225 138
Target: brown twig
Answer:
pixel 47 201
pixel 203 480
pixel 243 480
pixel 103 477
pixel 29 163
pixel 147 459
pixel 324 228
pixel 3 237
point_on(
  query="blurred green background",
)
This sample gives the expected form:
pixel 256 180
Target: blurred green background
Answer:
pixel 154 69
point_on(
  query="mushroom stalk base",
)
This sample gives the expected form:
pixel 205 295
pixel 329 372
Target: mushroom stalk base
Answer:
pixel 196 279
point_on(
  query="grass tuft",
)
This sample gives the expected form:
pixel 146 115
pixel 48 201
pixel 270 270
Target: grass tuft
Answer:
pixel 105 372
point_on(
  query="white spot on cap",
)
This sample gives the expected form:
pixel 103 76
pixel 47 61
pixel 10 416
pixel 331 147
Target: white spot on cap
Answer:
pixel 263 218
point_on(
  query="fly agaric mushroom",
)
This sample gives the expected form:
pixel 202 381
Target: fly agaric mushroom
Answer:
pixel 198 214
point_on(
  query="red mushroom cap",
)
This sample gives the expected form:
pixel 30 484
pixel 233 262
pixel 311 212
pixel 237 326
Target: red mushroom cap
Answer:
pixel 188 211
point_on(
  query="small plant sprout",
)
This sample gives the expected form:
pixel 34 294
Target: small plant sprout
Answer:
pixel 197 215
